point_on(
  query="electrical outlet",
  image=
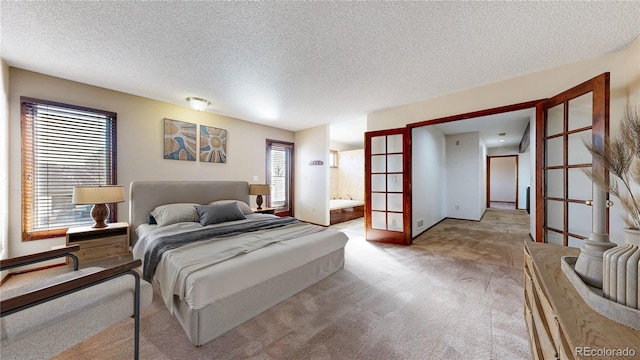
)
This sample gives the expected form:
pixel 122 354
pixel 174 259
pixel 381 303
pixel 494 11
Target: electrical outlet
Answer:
pixel 457 206
pixel 256 178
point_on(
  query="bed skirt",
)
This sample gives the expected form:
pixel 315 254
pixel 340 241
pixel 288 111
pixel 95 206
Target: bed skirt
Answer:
pixel 205 324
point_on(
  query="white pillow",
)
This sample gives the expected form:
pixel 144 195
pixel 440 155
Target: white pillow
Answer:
pixel 174 213
pixel 241 204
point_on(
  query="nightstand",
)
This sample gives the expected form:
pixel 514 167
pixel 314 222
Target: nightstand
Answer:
pixel 264 210
pixel 100 243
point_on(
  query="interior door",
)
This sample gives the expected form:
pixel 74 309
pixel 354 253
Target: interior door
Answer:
pixel 565 215
pixel 386 187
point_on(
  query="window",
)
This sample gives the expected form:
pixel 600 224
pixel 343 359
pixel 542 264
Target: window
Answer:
pixel 63 146
pixel 333 158
pixel 280 176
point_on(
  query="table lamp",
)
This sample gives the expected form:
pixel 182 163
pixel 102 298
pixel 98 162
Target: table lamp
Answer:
pixel 98 196
pixel 259 189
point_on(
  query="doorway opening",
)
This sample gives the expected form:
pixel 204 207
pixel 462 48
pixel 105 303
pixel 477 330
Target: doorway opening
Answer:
pixel 503 182
pixel 455 184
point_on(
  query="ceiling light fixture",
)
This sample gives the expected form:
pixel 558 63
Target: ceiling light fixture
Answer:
pixel 198 103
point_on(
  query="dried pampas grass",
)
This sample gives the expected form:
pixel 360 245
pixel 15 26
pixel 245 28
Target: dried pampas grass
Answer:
pixel 621 156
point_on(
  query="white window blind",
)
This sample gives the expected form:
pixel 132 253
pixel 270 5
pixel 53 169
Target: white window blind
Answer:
pixel 63 146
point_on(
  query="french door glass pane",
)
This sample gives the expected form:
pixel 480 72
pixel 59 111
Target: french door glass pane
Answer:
pixel 554 238
pixel 555 214
pixel 378 182
pixel 379 164
pixel 578 153
pixel 581 111
pixel 577 215
pixel 555 120
pixel 555 183
pixel 555 151
pixel 395 202
pixel 394 183
pixel 580 186
pixel 394 163
pixel 378 145
pixel 379 201
pixel 379 220
pixel 575 242
pixel 394 222
pixel 394 143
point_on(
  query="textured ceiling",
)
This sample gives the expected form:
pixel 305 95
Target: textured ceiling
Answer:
pixel 296 65
pixel 512 124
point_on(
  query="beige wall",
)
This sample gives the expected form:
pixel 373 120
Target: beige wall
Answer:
pixel 312 181
pixel 338 146
pixel 428 178
pixel 334 183
pixel 4 163
pixel 463 153
pixel 516 90
pixel 351 174
pixel 633 73
pixel 140 142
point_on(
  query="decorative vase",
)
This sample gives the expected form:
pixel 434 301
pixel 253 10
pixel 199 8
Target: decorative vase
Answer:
pixel 621 271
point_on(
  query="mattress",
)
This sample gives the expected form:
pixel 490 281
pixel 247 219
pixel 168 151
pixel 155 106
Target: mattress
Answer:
pixel 209 284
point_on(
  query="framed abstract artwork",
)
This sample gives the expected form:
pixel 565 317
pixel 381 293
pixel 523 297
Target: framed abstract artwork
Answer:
pixel 213 144
pixel 179 140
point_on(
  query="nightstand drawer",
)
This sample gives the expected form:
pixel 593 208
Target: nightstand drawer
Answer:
pixel 98 249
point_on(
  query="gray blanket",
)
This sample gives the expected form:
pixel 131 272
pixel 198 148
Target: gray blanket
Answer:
pixel 154 253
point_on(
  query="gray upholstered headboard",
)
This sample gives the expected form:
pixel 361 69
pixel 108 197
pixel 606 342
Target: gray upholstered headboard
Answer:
pixel 144 196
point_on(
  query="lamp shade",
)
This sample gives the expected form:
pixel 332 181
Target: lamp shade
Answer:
pixel 90 195
pixel 259 189
pixel 198 103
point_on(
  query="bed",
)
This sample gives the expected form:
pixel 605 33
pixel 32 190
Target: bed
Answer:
pixel 341 210
pixel 212 296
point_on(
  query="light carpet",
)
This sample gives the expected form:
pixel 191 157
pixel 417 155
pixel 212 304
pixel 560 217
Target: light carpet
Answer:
pixel 455 294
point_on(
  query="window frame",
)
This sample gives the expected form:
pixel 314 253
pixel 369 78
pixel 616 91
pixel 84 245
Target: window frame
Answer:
pixel 333 158
pixel 282 211
pixel 28 162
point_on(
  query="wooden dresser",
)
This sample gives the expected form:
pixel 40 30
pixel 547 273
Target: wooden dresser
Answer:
pixel 561 325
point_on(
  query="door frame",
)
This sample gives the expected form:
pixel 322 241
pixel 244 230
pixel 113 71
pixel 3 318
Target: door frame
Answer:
pixel 489 176
pixel 458 117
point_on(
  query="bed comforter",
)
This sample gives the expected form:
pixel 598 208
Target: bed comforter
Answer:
pixel 171 254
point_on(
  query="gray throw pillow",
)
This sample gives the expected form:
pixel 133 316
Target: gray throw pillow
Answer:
pixel 241 204
pixel 175 213
pixel 216 214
